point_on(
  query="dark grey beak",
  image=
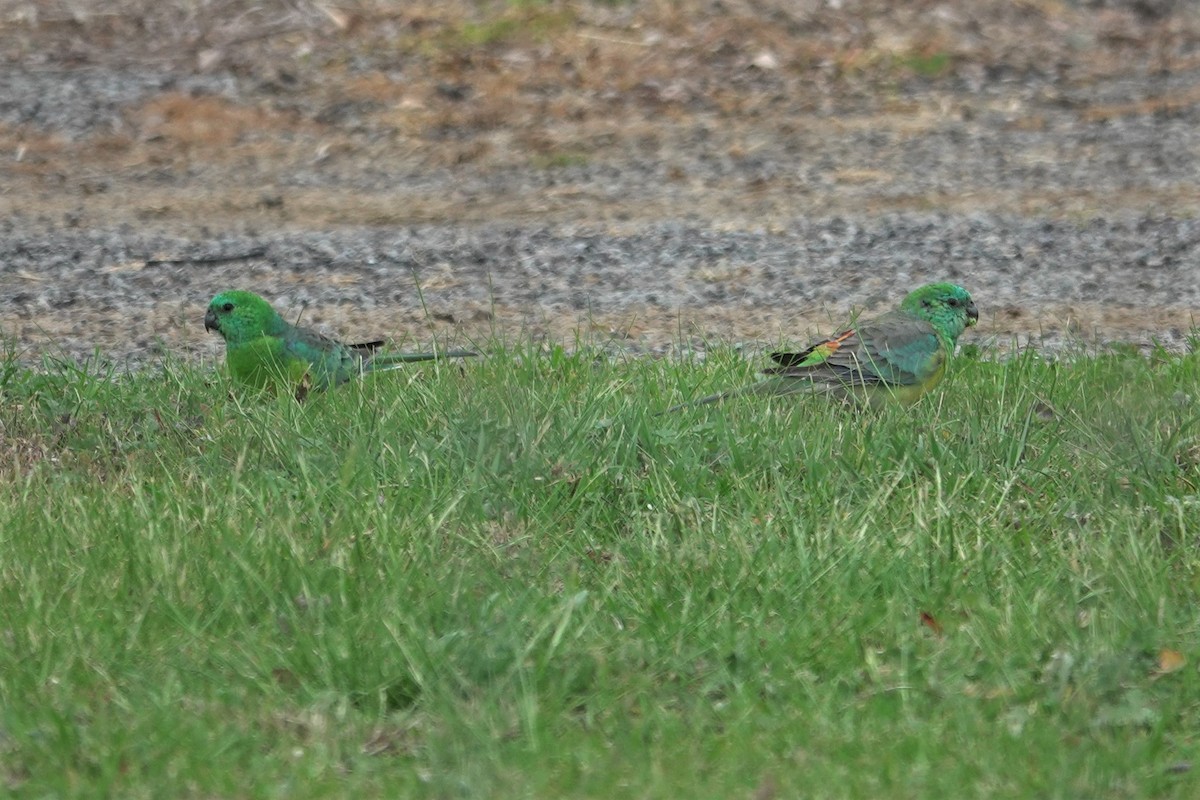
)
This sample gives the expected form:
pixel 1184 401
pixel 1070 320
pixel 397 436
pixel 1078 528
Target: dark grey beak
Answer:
pixel 210 321
pixel 972 313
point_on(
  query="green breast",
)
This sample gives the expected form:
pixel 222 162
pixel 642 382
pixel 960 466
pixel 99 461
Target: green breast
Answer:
pixel 261 363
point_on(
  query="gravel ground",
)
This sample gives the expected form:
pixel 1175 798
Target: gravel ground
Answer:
pixel 644 181
pixel 664 283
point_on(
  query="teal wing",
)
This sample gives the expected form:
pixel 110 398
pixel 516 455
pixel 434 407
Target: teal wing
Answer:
pixel 329 362
pixel 385 361
pixel 895 349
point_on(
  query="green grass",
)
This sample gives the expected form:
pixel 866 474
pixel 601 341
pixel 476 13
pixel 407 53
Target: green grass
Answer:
pixel 927 65
pixel 519 20
pixel 559 159
pixel 515 581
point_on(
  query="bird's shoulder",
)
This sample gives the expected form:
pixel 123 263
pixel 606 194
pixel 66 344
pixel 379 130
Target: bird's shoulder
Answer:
pixel 900 332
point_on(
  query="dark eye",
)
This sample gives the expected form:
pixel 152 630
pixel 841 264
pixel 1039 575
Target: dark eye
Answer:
pixel 227 307
pixel 954 302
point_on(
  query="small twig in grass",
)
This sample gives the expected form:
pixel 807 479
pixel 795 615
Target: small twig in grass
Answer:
pixel 611 39
pixel 266 33
pixel 254 253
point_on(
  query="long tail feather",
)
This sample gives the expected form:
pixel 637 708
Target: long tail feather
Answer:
pixel 771 386
pixel 703 401
pixel 777 386
pixel 385 361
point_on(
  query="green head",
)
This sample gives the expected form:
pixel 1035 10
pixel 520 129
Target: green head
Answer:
pixel 947 307
pixel 241 317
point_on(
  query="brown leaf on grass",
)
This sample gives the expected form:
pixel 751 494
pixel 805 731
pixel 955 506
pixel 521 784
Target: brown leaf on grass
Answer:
pixel 303 388
pixel 598 556
pixel 391 741
pixel 767 789
pixel 342 20
pixel 1169 661
pixel 976 690
pixel 285 678
pixel 929 621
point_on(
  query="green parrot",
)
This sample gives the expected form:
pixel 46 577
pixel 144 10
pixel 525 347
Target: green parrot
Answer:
pixel 262 347
pixel 898 356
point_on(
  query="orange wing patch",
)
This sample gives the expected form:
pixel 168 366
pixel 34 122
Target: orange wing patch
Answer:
pixel 837 341
pixel 810 356
pixel 830 346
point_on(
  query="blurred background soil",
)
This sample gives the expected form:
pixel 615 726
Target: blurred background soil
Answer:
pixel 648 173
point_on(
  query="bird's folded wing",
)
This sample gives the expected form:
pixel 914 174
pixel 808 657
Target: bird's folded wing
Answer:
pixel 895 350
